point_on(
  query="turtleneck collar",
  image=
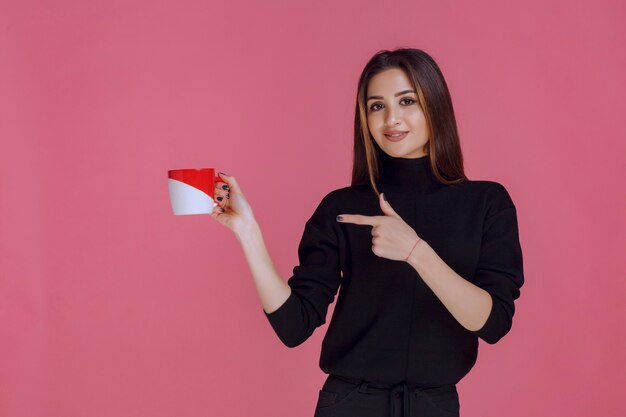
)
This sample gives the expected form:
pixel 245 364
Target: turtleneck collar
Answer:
pixel 411 174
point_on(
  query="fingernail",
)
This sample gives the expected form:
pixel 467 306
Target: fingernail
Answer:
pixel 220 198
pixel 224 173
pixel 222 209
pixel 225 187
pixel 339 218
pixel 384 198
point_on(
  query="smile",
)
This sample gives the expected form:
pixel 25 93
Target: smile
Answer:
pixel 396 136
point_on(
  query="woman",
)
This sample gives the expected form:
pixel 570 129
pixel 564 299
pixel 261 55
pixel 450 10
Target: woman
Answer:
pixel 428 261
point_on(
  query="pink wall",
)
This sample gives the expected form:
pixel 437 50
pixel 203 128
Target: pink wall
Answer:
pixel 112 306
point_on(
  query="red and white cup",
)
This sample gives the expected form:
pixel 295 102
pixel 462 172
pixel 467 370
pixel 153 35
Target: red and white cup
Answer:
pixel 192 191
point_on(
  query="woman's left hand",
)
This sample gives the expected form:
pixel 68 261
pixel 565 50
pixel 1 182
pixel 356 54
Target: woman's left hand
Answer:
pixel 392 238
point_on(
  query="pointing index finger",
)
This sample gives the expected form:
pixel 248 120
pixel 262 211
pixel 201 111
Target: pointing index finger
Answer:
pixel 357 219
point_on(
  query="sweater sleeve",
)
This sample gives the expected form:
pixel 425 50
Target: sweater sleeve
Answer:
pixel 314 282
pixel 500 268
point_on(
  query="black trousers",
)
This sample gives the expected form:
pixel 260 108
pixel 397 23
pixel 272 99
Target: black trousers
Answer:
pixel 348 397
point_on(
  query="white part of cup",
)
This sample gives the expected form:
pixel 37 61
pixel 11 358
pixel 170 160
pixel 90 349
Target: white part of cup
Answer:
pixel 186 199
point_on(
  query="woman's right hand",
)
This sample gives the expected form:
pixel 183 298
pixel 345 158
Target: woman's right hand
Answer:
pixel 233 211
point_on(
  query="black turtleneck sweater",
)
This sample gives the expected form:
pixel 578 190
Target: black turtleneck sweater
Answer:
pixel 388 326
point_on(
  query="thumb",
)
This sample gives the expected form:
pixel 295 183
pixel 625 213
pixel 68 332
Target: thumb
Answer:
pixel 385 206
pixel 231 181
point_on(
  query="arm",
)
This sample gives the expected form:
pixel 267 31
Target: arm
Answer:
pixel 235 212
pixel 272 290
pixel 296 308
pixel 484 304
pixel 469 304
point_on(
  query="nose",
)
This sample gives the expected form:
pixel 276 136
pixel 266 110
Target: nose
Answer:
pixel 392 117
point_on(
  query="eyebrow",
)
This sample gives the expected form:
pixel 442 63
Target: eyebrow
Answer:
pixel 395 95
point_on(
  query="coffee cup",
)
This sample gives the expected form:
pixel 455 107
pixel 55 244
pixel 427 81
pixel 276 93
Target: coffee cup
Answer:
pixel 192 191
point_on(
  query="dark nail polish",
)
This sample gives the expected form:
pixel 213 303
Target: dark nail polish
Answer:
pixel 225 187
pixel 384 197
pixel 219 198
pixel 339 218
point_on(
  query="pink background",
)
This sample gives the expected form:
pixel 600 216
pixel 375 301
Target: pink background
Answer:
pixel 112 306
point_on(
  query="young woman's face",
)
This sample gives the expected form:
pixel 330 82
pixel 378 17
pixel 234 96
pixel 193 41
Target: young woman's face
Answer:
pixel 392 106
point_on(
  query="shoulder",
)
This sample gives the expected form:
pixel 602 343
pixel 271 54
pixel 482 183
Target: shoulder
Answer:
pixel 328 205
pixel 322 220
pixel 493 189
pixel 336 201
pixel 341 195
pixel 493 195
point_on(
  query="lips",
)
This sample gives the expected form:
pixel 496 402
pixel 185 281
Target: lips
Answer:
pixel 395 135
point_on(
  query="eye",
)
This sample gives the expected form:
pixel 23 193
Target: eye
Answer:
pixel 409 101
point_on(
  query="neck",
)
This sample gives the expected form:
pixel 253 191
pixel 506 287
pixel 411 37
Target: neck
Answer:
pixel 411 174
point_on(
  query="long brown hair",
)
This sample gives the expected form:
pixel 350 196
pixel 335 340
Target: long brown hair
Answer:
pixel 446 159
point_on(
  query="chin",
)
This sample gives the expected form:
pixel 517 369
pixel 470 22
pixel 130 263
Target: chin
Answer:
pixel 411 153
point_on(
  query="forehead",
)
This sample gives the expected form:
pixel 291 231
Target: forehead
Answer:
pixel 388 82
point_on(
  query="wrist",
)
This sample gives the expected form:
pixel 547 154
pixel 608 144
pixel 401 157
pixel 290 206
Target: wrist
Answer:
pixel 247 230
pixel 417 240
pixel 419 254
